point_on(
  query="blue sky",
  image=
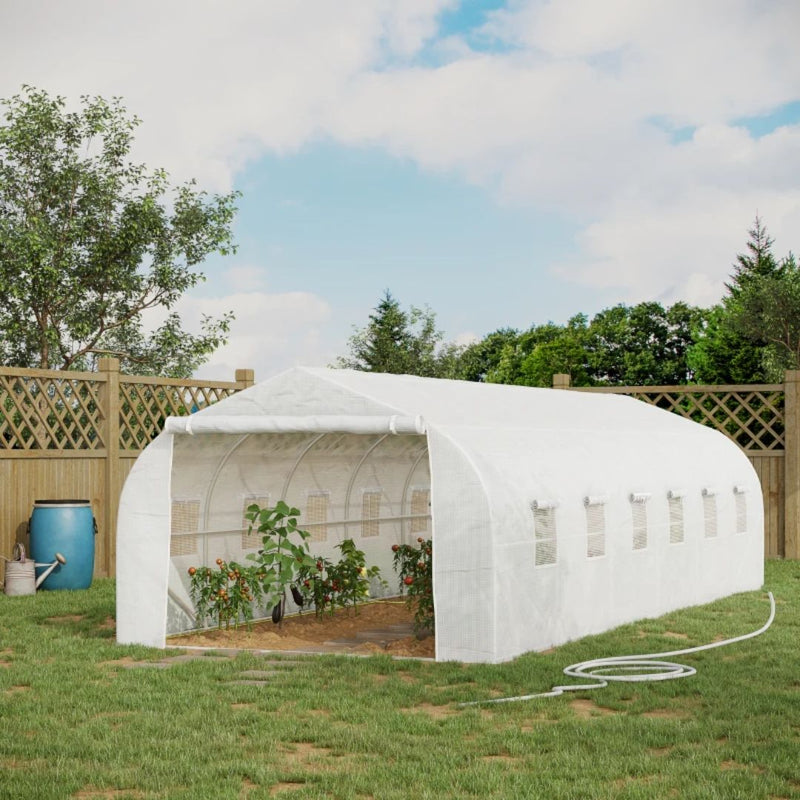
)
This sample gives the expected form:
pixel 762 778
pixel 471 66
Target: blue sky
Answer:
pixel 505 163
pixel 349 223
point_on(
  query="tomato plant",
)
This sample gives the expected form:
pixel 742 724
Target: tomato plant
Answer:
pixel 225 594
pixel 414 567
pixel 344 583
pixel 284 555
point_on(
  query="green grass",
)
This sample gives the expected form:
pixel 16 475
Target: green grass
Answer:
pixel 72 724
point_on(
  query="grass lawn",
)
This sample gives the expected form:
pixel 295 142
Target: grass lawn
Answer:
pixel 76 721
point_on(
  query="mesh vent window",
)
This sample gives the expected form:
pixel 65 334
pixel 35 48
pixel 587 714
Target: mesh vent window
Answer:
pixel 420 510
pixel 741 512
pixel 544 520
pixel 317 515
pixel 675 520
pixel 710 515
pixel 185 520
pixel 370 514
pixel 595 530
pixel 639 513
pixel 252 541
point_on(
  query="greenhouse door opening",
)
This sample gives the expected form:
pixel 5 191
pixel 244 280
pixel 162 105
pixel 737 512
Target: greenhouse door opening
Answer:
pixel 373 489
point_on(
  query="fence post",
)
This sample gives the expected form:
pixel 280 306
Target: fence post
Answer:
pixel 791 458
pixel 245 377
pixel 561 381
pixel 109 398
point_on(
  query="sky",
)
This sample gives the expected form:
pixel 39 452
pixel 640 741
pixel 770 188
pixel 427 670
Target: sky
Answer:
pixel 503 163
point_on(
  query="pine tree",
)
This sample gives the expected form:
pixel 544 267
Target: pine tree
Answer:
pixel 729 351
pixel 759 259
pixel 400 342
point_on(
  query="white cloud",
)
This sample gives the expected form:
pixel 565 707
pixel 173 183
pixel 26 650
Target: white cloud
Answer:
pixel 245 278
pixel 271 332
pixel 215 83
pixel 672 236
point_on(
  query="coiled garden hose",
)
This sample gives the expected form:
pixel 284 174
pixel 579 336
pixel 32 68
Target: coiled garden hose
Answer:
pixel 630 669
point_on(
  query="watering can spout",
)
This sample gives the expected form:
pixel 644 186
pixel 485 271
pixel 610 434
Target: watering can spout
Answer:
pixel 50 567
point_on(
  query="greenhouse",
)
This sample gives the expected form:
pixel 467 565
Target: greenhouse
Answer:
pixel 553 514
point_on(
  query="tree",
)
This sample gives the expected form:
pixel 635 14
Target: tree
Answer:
pixel 478 360
pixel 400 342
pixel 767 311
pixel 89 241
pixel 557 349
pixel 757 262
pixel 645 344
pixel 730 349
pixel 642 345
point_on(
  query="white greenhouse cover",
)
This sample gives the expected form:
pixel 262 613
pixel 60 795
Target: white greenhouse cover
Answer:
pixel 553 514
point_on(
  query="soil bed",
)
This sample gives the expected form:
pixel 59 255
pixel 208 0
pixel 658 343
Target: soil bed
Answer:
pixel 377 627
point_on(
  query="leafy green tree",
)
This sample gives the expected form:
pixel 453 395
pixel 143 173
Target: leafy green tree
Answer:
pixel 645 344
pixel 642 345
pixel 557 349
pixel 723 355
pixel 519 359
pixel 400 342
pixel 479 359
pixel 90 241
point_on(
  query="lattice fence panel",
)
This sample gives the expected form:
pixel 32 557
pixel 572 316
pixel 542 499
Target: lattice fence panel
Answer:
pixel 145 406
pixel 49 413
pixel 753 418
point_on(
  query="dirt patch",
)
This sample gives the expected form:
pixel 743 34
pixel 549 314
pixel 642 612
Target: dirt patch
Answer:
pixel 305 752
pixel 317 712
pixel 247 787
pixel 285 786
pixel 628 780
pixel 667 713
pixel 674 635
pixel 501 758
pixel 731 764
pixel 371 628
pixel 106 794
pixel 586 709
pixel 66 618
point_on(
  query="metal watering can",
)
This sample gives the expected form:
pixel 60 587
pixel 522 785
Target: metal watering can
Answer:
pixel 21 572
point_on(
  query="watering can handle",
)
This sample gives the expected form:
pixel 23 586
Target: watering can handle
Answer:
pixel 18 552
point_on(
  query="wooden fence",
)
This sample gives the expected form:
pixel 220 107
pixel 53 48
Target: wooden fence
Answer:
pixel 764 420
pixel 75 435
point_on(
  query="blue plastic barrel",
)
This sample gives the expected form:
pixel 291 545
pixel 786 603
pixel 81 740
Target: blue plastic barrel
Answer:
pixel 66 527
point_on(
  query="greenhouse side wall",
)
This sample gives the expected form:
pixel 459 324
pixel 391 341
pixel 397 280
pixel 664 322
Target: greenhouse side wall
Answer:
pixel 763 420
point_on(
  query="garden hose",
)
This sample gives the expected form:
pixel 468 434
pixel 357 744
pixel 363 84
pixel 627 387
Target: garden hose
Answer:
pixel 630 669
